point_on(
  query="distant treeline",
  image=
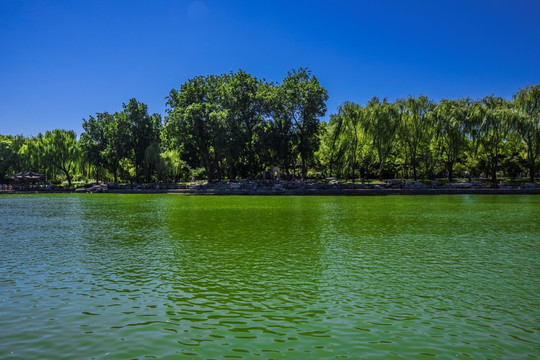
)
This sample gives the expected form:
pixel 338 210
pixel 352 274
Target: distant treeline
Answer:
pixel 235 125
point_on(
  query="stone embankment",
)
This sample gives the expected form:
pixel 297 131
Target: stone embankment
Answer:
pixel 315 188
pixel 392 187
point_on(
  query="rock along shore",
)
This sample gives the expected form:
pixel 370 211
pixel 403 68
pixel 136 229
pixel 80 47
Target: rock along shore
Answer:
pixel 313 189
pixel 330 192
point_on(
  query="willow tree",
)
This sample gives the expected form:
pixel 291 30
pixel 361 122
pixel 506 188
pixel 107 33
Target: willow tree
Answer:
pixel 449 119
pixel 381 124
pixel 61 151
pixel 172 166
pixel 324 156
pixel 488 125
pixel 414 127
pixel 527 123
pixel 348 136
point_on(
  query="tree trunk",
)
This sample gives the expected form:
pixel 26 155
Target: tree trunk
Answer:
pixel 354 153
pixel 137 171
pixel 532 160
pixel 304 167
pixel 450 168
pixel 251 156
pixel 218 168
pixel 381 161
pixel 68 177
pixel 532 169
pixel 66 172
pixel 493 172
pixel 209 168
pixel 413 163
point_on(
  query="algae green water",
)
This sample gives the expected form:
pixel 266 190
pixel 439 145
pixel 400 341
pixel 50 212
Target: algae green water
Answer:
pixel 194 277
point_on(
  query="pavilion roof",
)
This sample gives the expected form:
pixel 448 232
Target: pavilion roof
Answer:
pixel 30 175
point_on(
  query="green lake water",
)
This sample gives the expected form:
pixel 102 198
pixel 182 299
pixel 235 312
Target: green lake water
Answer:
pixel 105 276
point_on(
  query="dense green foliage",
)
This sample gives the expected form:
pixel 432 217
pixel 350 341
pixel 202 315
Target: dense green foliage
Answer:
pixel 236 125
pixel 416 137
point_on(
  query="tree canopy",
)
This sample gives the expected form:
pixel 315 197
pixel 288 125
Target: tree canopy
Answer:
pixel 237 125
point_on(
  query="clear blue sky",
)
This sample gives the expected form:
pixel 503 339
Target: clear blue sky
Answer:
pixel 64 60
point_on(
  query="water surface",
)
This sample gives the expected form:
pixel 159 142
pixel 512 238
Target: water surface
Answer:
pixel 110 276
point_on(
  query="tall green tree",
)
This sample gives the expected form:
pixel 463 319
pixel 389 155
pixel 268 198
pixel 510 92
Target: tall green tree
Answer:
pixel 527 123
pixel 348 136
pixel 327 153
pixel 381 124
pixel 243 97
pixel 414 128
pixel 324 162
pixel 117 142
pixel 449 118
pixel 10 158
pixel 93 141
pixel 144 131
pixel 32 156
pixel 278 134
pixel 304 101
pixel 192 121
pixel 488 125
pixel 106 141
pixel 61 151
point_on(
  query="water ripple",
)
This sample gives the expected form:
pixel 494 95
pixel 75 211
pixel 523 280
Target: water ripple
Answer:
pixel 87 276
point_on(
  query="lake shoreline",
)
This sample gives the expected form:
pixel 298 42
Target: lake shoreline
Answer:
pixel 335 192
pixel 300 192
